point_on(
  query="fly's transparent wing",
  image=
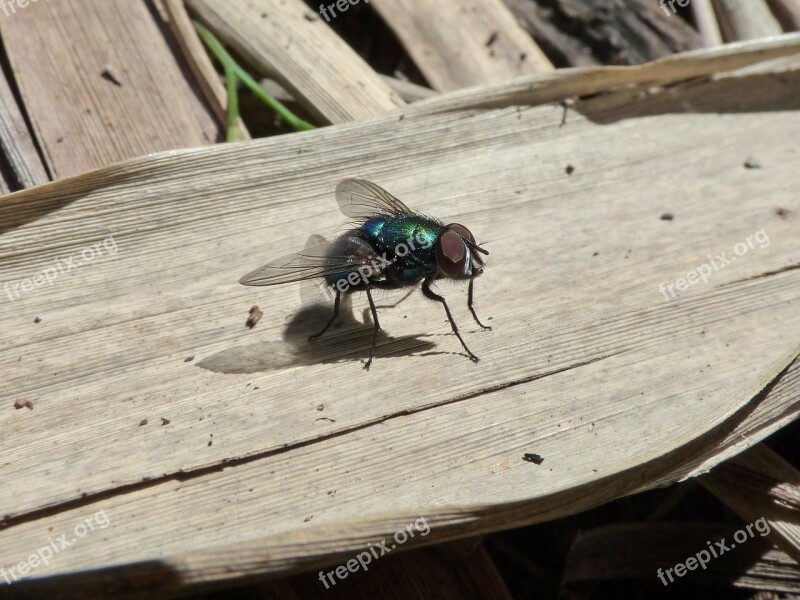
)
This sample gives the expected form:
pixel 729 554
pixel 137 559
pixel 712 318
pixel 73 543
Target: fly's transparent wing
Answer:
pixel 343 255
pixel 361 199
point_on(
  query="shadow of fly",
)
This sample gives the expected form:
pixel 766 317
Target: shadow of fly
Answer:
pixel 392 247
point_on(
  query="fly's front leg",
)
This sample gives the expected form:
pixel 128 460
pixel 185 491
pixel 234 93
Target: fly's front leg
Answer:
pixel 472 308
pixel 428 293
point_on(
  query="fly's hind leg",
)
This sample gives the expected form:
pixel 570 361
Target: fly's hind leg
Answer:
pixel 331 320
pixel 376 330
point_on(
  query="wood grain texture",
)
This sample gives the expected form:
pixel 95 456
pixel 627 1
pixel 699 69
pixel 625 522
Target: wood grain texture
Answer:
pixel 284 455
pixel 196 56
pixel 759 484
pixel 305 56
pixel 745 20
pixel 595 557
pixel 608 32
pixel 16 142
pixel 706 20
pixel 72 105
pixel 787 12
pixel 746 57
pixel 482 42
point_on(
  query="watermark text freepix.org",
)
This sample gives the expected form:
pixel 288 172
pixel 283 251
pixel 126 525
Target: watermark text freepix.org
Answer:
pixel 9 7
pixel 714 264
pixel 378 264
pixel 715 550
pixel 671 4
pixel 361 560
pixel 62 266
pixel 342 5
pixel 43 555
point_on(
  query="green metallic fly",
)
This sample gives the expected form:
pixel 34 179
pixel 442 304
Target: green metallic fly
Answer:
pixel 392 247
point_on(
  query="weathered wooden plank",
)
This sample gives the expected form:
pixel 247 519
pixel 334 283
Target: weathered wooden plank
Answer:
pixel 482 42
pixel 759 484
pixel 305 56
pixel 610 32
pixel 745 20
pixel 595 557
pixel 742 57
pixel 706 22
pixel 16 143
pixel 587 339
pixel 111 87
pixel 787 12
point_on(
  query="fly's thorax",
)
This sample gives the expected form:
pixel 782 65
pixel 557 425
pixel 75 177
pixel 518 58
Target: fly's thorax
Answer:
pixel 408 241
pixel 373 226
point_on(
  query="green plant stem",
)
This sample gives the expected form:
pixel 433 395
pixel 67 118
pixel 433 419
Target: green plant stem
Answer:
pixel 234 72
pixel 234 134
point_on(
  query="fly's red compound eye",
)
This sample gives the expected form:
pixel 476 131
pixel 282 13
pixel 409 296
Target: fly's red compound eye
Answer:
pixel 451 254
pixel 462 231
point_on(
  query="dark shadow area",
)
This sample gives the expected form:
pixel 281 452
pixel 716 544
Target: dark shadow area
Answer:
pixel 146 579
pixel 374 41
pixel 774 92
pixel 348 340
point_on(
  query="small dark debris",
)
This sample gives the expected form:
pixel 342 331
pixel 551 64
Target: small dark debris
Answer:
pixel 23 403
pixel 109 73
pixel 401 117
pixel 667 217
pixel 523 56
pixel 492 38
pixel 533 458
pixel 595 254
pixel 254 318
pixel 307 519
pixel 320 407
pixel 565 104
pixel 164 421
pixel 570 169
pixel 331 492
pixel 783 213
pixel 209 443
pixel 752 163
pixel 326 419
pixel 37 320
pixel 188 359
pixel 142 422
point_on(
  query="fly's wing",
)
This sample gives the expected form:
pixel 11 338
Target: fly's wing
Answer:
pixel 361 199
pixel 344 255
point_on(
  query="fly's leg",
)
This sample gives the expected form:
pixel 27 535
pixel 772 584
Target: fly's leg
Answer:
pixel 331 320
pixel 375 332
pixel 472 308
pixel 403 299
pixel 428 293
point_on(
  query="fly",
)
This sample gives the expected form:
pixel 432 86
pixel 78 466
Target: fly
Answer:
pixel 391 247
